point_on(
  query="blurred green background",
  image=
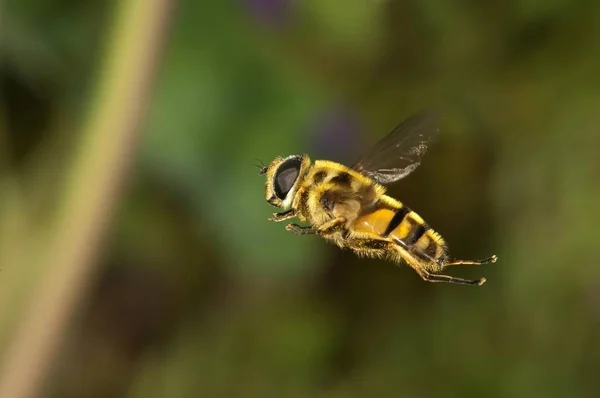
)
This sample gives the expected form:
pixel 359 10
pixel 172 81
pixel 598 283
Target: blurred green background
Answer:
pixel 196 294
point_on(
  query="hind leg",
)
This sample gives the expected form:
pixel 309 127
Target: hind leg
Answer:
pixel 448 279
pixel 471 262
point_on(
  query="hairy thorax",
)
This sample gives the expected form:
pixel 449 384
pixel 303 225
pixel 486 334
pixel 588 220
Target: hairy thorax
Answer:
pixel 331 191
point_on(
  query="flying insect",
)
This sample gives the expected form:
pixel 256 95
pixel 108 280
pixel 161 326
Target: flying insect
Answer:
pixel 348 206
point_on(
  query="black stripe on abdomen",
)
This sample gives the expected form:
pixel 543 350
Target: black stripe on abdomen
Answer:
pixel 415 234
pixel 396 220
pixel 431 249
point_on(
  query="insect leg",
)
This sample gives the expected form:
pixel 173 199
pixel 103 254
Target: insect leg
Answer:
pixel 472 262
pixel 299 230
pixel 449 279
pixel 332 226
pixel 286 215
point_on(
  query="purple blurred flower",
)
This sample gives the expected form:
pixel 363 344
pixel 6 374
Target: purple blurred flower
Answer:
pixel 269 12
pixel 336 135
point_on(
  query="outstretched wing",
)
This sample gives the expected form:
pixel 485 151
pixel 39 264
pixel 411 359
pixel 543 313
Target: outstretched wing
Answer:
pixel 399 153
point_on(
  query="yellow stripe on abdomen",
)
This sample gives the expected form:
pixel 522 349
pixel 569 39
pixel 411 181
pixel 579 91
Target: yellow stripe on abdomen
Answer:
pixel 375 222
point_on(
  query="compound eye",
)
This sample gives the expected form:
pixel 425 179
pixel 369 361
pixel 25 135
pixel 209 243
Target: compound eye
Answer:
pixel 286 177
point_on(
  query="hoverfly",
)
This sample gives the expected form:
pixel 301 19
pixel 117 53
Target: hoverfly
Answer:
pixel 349 207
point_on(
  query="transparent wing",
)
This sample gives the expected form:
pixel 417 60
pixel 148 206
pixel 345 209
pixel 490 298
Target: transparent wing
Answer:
pixel 399 153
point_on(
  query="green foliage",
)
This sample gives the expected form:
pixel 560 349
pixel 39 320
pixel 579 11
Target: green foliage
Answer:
pixel 219 108
pixel 221 302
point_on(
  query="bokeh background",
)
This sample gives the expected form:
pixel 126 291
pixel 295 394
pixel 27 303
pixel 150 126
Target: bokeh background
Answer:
pixel 193 293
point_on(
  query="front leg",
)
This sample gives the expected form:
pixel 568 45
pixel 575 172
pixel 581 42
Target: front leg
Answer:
pixel 331 227
pixel 298 230
pixel 286 215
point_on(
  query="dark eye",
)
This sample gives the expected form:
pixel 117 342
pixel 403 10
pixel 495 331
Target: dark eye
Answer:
pixel 286 176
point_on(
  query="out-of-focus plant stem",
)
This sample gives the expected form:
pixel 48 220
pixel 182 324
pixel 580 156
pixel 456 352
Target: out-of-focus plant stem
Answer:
pixel 92 188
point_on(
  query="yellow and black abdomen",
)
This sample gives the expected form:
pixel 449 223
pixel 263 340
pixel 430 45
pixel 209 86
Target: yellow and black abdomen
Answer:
pixel 406 228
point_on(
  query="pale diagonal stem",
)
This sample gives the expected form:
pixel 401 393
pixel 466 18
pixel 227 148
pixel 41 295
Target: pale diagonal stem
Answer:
pixel 92 189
